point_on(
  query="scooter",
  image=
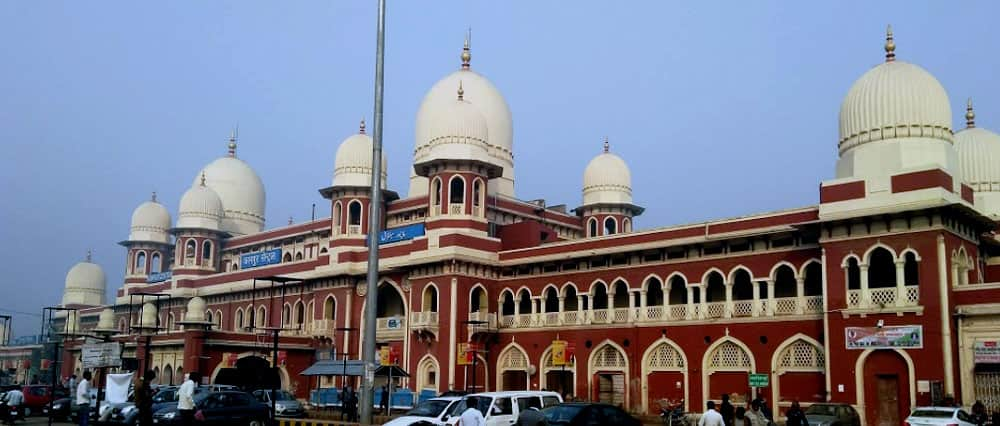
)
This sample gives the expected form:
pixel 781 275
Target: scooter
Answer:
pixel 11 413
pixel 673 414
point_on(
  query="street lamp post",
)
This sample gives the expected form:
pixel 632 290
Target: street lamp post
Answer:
pixel 474 323
pixel 69 330
pixel 275 333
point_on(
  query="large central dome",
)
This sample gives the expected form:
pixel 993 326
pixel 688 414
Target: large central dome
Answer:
pixel 241 192
pixel 479 91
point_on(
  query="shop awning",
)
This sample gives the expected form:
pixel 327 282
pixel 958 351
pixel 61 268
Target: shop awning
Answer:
pixel 335 368
pixel 394 370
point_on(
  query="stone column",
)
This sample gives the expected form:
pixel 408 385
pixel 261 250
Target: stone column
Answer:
pixel 690 303
pixel 579 309
pixel 562 307
pixel 901 282
pixel 703 301
pixel 800 295
pixel 865 297
pixel 729 300
pixel 666 301
pixel 772 305
pixel 756 299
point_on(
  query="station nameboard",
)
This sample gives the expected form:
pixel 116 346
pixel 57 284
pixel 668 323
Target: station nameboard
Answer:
pixel 401 233
pixel 263 258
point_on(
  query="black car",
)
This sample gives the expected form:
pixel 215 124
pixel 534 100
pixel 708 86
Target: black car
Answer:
pixel 220 408
pixel 583 414
pixel 60 409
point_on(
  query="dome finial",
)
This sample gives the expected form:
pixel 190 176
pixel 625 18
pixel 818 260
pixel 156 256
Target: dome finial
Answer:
pixel 290 220
pixel 466 54
pixel 461 91
pixel 202 178
pixel 607 146
pixel 361 128
pixel 89 255
pixel 970 115
pixel 890 45
pixel 233 135
pixel 154 196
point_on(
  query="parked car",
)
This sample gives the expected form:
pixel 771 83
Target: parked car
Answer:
pixel 36 397
pixel 60 409
pixel 832 415
pixel 221 408
pixel 502 408
pixel 285 405
pixel 928 416
pixel 431 411
pixel 583 414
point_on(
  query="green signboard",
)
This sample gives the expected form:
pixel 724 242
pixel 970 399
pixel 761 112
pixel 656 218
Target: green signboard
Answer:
pixel 758 380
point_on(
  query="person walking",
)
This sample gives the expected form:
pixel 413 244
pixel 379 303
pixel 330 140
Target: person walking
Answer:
pixel 71 386
pixel 532 415
pixel 83 399
pixel 741 417
pixel 726 409
pixel 351 404
pixel 185 398
pixel 754 417
pixel 979 416
pixel 384 401
pixel 144 398
pixel 795 416
pixel 471 417
pixel 711 417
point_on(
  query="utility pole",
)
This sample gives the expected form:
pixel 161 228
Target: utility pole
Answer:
pixel 374 227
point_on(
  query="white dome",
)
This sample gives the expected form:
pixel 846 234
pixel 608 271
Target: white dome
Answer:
pixel 241 192
pixel 106 321
pixel 895 117
pixel 200 207
pixel 150 222
pixel 353 164
pixel 607 179
pixel 979 158
pixel 85 284
pixel 457 130
pixel 491 103
pixel 147 318
pixel 195 310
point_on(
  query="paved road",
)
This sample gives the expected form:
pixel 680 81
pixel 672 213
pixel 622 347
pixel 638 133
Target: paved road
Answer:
pixel 40 421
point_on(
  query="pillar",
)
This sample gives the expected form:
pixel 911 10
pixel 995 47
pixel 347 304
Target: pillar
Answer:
pixel 865 297
pixel 702 301
pixel 729 300
pixel 690 303
pixel 772 305
pixel 756 299
pixel 562 307
pixel 800 295
pixel 901 282
pixel 579 309
pixel 194 344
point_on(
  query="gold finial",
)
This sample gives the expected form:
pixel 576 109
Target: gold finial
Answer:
pixel 361 129
pixel 233 136
pixel 466 54
pixel 154 196
pixel 202 178
pixel 607 146
pixel 461 91
pixel 290 221
pixel 890 45
pixel 970 115
pixel 89 255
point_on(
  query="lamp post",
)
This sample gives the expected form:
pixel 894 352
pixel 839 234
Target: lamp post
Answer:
pixel 69 330
pixel 275 333
pixel 473 323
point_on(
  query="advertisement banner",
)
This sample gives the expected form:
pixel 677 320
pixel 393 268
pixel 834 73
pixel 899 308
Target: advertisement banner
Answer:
pixel 559 352
pixel 385 356
pixel 97 355
pixel 264 258
pixel 986 352
pixel 888 337
pixel 157 277
pixel 465 354
pixel 229 359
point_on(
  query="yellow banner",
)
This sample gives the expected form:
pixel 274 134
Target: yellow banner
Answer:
pixel 385 356
pixel 464 354
pixel 559 353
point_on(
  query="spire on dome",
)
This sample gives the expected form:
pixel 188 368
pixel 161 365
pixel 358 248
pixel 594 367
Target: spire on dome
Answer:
pixel 233 136
pixel 461 91
pixel 361 128
pixel 607 146
pixel 970 115
pixel 466 54
pixel 890 45
pixel 290 220
pixel 202 178
pixel 154 197
pixel 89 255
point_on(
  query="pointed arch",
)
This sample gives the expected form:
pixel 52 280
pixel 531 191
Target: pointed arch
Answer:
pixel 238 319
pixel 868 253
pixel 727 354
pixel 428 373
pixel 595 285
pixel 514 359
pixel 774 269
pixel 797 354
pixel 456 190
pixel 430 298
pixel 592 229
pixel 478 298
pixel 708 274
pixel 609 357
pixel 549 372
pixel 663 355
pixel 859 379
pixel 802 269
pixel 732 273
pixel 330 307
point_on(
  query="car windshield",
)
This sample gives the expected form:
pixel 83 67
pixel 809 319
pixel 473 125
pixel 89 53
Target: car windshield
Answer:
pixel 283 396
pixel 431 408
pixel 480 402
pixel 822 410
pixel 937 414
pixel 561 414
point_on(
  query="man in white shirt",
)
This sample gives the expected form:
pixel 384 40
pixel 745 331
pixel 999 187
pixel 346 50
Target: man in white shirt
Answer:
pixel 185 398
pixel 471 416
pixel 83 399
pixel 711 417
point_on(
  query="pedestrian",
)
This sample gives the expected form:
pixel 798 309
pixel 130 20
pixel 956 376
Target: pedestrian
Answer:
pixel 144 398
pixel 14 399
pixel 765 410
pixel 726 409
pixel 185 398
pixel 795 416
pixel 384 401
pixel 979 416
pixel 711 417
pixel 754 417
pixel 532 415
pixel 71 385
pixel 471 416
pixel 740 418
pixel 83 399
pixel 350 404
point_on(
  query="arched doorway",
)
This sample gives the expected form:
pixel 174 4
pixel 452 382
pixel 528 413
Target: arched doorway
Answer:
pixel 557 378
pixel 512 369
pixel 251 372
pixel 885 387
pixel 798 368
pixel 726 369
pixel 428 375
pixel 664 375
pixel 609 375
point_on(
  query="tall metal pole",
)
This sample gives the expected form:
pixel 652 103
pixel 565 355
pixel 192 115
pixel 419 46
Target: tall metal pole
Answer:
pixel 374 227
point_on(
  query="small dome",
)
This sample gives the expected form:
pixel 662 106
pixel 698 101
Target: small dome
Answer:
pixel 86 284
pixel 200 207
pixel 148 318
pixel 107 319
pixel 607 179
pixel 241 192
pixel 979 157
pixel 195 310
pixel 353 164
pixel 150 222
pixel 457 131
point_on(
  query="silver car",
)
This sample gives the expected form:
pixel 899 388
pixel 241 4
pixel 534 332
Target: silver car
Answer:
pixel 285 404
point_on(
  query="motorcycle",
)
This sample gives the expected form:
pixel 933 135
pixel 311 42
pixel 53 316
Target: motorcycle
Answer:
pixel 11 413
pixel 672 413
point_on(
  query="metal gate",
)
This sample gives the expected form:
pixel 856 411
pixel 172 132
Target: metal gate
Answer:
pixel 988 390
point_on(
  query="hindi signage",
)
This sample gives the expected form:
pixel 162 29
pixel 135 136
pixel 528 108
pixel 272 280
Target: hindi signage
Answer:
pixel 561 353
pixel 393 323
pixel 466 353
pixel 888 337
pixel 758 380
pixel 157 277
pixel 97 355
pixel 402 233
pixel 986 352
pixel 263 258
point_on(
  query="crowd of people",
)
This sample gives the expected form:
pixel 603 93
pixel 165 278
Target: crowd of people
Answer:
pixel 757 413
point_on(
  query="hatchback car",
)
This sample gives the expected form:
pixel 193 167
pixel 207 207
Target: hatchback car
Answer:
pixel 583 414
pixel 930 416
pixel 832 415
pixel 220 408
pixel 430 411
pixel 285 405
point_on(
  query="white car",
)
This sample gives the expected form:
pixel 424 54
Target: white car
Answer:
pixel 502 408
pixel 432 410
pixel 927 416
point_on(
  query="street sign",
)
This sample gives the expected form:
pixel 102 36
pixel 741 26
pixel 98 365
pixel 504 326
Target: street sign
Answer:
pixel 758 380
pixel 97 355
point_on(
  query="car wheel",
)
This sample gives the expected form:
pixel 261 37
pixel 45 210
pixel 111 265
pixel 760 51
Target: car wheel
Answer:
pixel 256 423
pixel 27 411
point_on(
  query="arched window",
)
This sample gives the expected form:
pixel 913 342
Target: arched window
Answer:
pixel 190 248
pixel 626 225
pixel 881 269
pixel 524 302
pixel 456 190
pixel 298 256
pixel 814 279
pixel 261 316
pixel 477 191
pixel 911 272
pixel 610 226
pixel 208 317
pixel 592 227
pixel 784 282
pixel 330 309
pixel 622 294
pixel 239 318
pixel 287 257
pixel 600 296
pixel 430 299
pixel 571 301
pixel 678 291
pixel 337 216
pixel 477 300
pixel 300 313
pixel 654 292
pixel 156 264
pixel 206 250
pixel 715 288
pixel 436 193
pixel 507 307
pixel 354 213
pixel 140 262
pixel 551 300
pixel 286 315
pixel 853 274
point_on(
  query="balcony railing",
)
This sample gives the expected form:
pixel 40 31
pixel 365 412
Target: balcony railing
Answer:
pixel 715 309
pixel 885 297
pixel 354 229
pixel 455 208
pixel 743 308
pixel 424 319
pixel 390 327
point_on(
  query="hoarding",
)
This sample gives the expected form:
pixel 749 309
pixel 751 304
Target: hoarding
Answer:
pixel 888 337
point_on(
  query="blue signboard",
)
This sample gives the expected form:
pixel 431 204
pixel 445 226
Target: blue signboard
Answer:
pixel 157 277
pixel 264 258
pixel 401 233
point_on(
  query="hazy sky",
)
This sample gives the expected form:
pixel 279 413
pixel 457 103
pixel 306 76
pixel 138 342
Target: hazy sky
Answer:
pixel 720 109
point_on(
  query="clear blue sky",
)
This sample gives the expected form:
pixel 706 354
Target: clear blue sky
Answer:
pixel 721 109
